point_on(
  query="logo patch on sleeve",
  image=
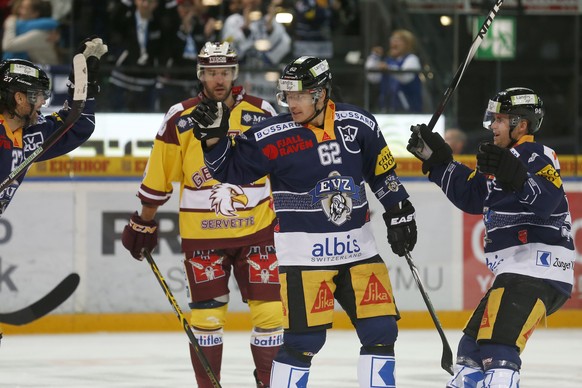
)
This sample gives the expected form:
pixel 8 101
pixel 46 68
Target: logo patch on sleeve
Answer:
pixel 551 174
pixel 385 161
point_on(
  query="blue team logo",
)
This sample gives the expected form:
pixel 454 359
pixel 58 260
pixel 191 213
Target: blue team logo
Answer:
pixel 31 142
pixel 544 259
pixel 349 133
pixel 335 194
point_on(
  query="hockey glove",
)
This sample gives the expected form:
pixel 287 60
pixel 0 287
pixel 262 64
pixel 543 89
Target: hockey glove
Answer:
pixel 92 49
pixel 210 120
pixel 139 234
pixel 429 147
pixel 508 170
pixel 401 224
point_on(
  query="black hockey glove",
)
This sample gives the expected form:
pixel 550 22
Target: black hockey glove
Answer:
pixel 508 170
pixel 429 147
pixel 401 224
pixel 210 120
pixel 139 234
pixel 92 49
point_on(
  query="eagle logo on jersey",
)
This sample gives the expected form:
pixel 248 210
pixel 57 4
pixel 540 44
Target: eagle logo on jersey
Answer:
pixel 224 197
pixel 335 193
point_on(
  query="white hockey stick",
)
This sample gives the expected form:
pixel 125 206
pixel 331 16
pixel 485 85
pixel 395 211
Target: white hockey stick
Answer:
pixel 457 78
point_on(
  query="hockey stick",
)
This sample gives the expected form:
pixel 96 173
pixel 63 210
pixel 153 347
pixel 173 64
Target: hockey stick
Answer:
pixel 45 305
pixel 447 357
pixel 79 97
pixel 457 78
pixel 182 319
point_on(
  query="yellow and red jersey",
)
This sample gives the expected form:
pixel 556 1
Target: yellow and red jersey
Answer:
pixel 213 215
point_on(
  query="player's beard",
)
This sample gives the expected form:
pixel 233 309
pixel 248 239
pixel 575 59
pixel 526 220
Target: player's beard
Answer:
pixel 219 96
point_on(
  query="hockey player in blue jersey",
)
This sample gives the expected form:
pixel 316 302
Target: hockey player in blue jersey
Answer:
pixel 24 89
pixel 319 157
pixel 528 240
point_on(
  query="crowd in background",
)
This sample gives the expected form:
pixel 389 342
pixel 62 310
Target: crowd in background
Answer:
pixel 153 44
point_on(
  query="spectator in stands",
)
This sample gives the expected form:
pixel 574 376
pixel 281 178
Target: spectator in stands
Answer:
pixel 31 33
pixel 136 44
pixel 374 61
pixel 256 36
pixel 456 139
pixel 400 84
pixel 313 28
pixel 189 29
pixel 260 41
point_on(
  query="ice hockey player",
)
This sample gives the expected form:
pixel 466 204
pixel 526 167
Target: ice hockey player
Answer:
pixel 319 157
pixel 224 228
pixel 528 233
pixel 24 89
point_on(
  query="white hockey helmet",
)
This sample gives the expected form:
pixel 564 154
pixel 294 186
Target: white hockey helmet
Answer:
pixel 217 54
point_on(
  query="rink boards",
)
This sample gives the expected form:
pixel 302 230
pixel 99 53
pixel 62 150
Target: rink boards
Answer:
pixel 54 228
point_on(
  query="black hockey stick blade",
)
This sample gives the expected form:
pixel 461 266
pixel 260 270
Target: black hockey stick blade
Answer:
pixel 76 109
pixel 447 356
pixel 472 51
pixel 45 305
pixel 185 324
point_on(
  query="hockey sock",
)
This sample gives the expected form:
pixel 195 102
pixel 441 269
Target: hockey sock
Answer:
pixel 265 344
pixel 468 370
pixel 376 371
pixel 501 364
pixel 211 344
pixel 466 377
pixel 288 376
pixel 501 378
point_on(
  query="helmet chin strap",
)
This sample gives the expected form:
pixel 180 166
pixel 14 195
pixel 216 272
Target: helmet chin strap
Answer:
pixel 317 111
pixel 512 141
pixel 25 118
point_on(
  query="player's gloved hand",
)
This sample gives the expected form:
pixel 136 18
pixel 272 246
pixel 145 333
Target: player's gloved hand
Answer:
pixel 210 120
pixel 508 170
pixel 139 234
pixel 401 224
pixel 92 49
pixel 429 147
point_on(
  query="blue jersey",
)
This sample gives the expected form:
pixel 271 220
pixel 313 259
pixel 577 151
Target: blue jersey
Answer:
pixel 318 178
pixel 527 232
pixel 16 145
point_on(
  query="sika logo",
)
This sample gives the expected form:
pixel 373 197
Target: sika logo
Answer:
pixel 375 292
pixel 324 300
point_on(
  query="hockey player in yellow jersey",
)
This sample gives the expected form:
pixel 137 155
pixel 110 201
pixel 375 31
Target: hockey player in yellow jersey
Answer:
pixel 224 228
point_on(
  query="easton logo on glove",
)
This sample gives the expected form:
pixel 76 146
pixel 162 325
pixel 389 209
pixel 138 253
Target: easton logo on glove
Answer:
pixel 142 228
pixel 403 220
